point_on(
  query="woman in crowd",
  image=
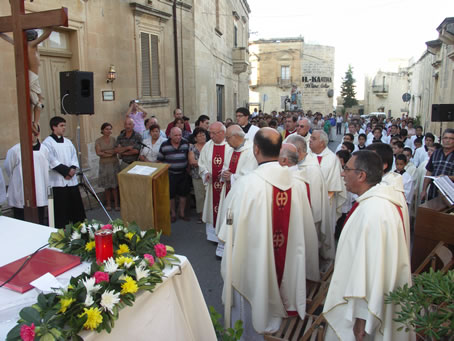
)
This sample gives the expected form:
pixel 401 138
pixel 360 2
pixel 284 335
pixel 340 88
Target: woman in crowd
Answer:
pixel 193 156
pixel 137 114
pixel 152 143
pixel 179 122
pixel 108 166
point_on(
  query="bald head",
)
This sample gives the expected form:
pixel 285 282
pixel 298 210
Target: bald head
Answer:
pixel 129 124
pixel 235 136
pixel 300 143
pixel 288 155
pixel 217 132
pixel 267 145
pixel 175 135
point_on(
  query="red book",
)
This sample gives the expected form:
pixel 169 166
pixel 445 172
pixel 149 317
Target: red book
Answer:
pixel 44 261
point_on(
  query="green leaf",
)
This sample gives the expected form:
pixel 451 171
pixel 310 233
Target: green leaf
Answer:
pixel 15 332
pixel 30 315
pixel 47 337
pixel 55 332
pixel 42 301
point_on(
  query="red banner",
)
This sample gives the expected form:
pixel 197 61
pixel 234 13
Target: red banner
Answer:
pixel 217 162
pixel 281 217
pixel 232 168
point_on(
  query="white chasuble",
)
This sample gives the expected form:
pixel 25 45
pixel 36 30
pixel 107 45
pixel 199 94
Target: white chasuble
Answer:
pixel 371 260
pixel 253 265
pixel 61 154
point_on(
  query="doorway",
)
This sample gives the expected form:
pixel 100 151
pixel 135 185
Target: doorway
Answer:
pixel 219 102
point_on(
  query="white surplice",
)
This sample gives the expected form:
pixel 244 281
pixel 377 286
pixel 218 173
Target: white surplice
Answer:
pixel 13 167
pixel 371 260
pixel 61 154
pixel 251 133
pixel 205 167
pixel 310 170
pixel 253 267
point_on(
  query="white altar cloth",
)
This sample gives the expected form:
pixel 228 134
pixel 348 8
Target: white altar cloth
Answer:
pixel 176 310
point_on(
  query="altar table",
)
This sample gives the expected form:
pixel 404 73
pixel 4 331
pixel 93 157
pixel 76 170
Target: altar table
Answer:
pixel 176 310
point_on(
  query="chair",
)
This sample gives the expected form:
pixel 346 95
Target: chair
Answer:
pixel 440 254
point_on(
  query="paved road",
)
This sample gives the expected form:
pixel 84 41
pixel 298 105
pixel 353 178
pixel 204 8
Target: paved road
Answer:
pixel 189 239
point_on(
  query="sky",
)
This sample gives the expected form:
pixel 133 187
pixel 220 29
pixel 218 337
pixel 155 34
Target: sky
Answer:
pixel 364 33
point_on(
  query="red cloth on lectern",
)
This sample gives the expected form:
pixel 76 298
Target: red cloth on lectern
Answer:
pixel 232 168
pixel 217 162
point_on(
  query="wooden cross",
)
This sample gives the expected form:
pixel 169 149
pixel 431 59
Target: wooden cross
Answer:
pixel 17 23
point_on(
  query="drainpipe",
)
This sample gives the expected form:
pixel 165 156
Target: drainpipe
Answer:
pixel 175 43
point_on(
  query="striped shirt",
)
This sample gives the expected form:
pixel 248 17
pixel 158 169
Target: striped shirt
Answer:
pixel 440 164
pixel 177 158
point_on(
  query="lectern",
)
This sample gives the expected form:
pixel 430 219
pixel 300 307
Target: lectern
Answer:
pixel 145 199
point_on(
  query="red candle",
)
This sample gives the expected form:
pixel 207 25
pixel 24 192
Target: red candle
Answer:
pixel 104 245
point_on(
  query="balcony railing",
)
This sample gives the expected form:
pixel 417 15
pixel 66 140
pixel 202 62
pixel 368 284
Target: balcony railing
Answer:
pixel 383 89
pixel 284 82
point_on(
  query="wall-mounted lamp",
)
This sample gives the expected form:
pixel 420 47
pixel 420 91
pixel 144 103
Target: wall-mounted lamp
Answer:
pixel 111 75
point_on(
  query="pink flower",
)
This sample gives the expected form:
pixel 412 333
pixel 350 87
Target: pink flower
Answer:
pixel 160 250
pixel 101 277
pixel 149 258
pixel 107 227
pixel 27 333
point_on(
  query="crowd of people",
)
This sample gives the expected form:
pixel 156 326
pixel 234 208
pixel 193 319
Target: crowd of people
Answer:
pixel 297 206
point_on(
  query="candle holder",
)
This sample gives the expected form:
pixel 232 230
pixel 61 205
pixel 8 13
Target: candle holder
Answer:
pixel 103 245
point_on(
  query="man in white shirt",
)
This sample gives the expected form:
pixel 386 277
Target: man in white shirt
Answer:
pixel 242 118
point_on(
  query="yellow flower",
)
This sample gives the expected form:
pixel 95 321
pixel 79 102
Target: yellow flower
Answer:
pixel 65 303
pixel 130 286
pixel 94 318
pixel 122 248
pixel 90 245
pixel 70 287
pixel 129 235
pixel 126 261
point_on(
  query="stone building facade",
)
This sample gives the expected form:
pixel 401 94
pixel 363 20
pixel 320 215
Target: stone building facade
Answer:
pixel 282 67
pixel 166 53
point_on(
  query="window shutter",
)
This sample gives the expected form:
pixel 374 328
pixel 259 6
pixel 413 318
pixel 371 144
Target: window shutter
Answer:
pixel 146 67
pixel 155 82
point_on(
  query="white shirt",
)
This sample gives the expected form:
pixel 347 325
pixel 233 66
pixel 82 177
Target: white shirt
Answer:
pixel 152 150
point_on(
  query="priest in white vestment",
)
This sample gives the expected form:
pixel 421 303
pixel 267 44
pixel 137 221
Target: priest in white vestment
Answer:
pixel 268 258
pixel 331 170
pixel 240 160
pixel 288 157
pixel 309 169
pixel 211 162
pixel 302 129
pixel 371 260
pixel 13 168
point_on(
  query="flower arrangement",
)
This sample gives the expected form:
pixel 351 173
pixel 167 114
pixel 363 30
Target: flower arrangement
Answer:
pixel 92 301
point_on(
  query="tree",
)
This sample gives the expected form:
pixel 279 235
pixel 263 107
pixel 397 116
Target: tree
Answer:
pixel 348 92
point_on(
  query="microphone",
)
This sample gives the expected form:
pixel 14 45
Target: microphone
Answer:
pixel 143 145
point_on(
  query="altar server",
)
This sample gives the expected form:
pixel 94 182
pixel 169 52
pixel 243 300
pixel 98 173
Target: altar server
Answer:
pixel 13 168
pixel 268 257
pixel 211 162
pixel 371 260
pixel 239 161
pixel 309 169
pixel 63 162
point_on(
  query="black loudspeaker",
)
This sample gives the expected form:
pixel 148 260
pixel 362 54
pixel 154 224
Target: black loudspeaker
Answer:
pixel 442 112
pixel 76 93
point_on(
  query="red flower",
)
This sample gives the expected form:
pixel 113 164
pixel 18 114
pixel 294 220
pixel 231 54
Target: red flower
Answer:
pixel 107 227
pixel 160 250
pixel 101 277
pixel 27 333
pixel 150 258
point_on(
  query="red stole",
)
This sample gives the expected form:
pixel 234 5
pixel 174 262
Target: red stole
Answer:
pixel 355 205
pixel 232 168
pixel 217 162
pixel 308 189
pixel 319 158
pixel 287 133
pixel 281 218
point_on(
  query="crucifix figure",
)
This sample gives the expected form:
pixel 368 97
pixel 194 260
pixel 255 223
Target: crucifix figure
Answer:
pixel 18 23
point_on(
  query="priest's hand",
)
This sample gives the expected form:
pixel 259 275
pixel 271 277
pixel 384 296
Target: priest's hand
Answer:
pixel 359 329
pixel 226 175
pixel 208 178
pixel 71 173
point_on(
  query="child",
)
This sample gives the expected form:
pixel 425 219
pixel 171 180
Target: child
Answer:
pixel 410 168
pixel 362 141
pixel 409 188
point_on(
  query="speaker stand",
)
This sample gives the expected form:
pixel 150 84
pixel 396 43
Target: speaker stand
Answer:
pixel 83 180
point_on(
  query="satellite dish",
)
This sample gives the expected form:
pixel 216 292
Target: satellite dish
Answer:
pixel 406 97
pixel 330 93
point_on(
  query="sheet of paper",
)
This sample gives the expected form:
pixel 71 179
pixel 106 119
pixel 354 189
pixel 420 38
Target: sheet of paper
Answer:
pixel 47 283
pixel 142 170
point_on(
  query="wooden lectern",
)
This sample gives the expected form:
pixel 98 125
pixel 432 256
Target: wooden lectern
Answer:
pixel 145 199
pixel 434 224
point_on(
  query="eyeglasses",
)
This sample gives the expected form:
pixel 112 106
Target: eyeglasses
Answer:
pixel 346 169
pixel 300 126
pixel 237 116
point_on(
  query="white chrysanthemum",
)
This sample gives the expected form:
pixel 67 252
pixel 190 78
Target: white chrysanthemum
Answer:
pixel 90 285
pixel 142 233
pixel 91 233
pixel 76 235
pixel 125 229
pixel 141 273
pixel 135 258
pixel 83 229
pixel 110 266
pixel 109 299
pixel 88 300
pixel 127 264
pixel 122 277
pixel 143 264
pixel 117 229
